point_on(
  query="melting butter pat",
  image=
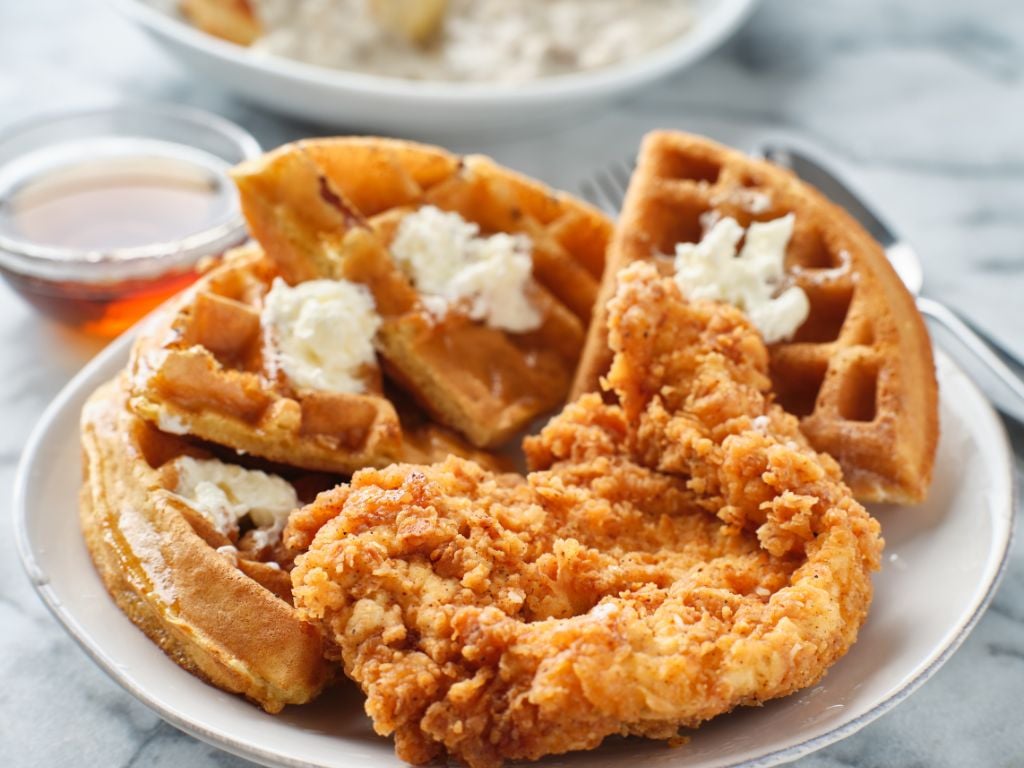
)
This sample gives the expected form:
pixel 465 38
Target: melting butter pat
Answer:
pixel 450 263
pixel 322 333
pixel 225 493
pixel 750 280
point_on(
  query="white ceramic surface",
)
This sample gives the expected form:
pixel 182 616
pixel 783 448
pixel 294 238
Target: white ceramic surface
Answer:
pixel 431 109
pixel 942 562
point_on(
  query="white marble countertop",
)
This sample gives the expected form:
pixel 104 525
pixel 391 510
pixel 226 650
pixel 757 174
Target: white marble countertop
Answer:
pixel 925 101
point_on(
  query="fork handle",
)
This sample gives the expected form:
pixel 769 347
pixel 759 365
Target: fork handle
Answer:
pixel 1008 395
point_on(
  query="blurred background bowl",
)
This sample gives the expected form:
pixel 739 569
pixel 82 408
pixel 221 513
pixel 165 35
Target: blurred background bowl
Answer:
pixel 424 108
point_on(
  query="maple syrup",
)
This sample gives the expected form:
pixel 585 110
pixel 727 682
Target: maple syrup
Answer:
pixel 144 192
pixel 103 309
pixel 97 230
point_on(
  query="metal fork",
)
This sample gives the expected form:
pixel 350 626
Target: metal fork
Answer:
pixel 606 189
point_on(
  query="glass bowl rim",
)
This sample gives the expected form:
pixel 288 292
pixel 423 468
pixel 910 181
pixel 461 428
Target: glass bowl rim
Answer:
pixel 21 255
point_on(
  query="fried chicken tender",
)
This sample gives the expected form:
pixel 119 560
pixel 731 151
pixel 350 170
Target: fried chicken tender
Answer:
pixel 667 559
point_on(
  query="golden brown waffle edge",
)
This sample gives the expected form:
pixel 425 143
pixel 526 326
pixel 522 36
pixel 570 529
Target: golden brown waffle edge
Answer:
pixel 206 613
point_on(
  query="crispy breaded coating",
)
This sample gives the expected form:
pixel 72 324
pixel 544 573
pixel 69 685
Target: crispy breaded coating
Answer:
pixel 667 560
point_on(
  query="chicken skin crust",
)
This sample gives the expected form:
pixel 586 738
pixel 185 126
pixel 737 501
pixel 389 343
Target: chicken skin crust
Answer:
pixel 667 559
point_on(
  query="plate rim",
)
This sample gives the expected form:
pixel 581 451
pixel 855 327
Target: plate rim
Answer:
pixel 40 583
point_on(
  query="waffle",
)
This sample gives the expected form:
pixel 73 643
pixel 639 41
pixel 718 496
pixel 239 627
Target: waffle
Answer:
pixel 203 371
pixel 329 208
pixel 859 371
pixel 224 615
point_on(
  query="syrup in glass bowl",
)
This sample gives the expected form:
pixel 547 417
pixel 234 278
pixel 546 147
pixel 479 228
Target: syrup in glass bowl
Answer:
pixel 104 215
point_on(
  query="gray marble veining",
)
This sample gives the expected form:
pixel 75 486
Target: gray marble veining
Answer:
pixel 924 100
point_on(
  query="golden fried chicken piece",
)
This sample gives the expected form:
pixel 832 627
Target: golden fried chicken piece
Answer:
pixel 858 371
pixel 667 560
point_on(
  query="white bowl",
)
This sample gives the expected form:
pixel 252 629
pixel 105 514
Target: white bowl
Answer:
pixel 426 109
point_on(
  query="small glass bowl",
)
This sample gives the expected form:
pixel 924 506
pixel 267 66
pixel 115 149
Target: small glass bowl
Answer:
pixel 104 290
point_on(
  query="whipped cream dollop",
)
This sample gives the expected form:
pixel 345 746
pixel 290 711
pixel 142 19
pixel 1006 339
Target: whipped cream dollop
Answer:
pixel 322 332
pixel 225 493
pixel 450 263
pixel 749 280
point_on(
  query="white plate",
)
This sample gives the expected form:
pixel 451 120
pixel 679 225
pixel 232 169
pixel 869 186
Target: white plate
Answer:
pixel 425 109
pixel 942 562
